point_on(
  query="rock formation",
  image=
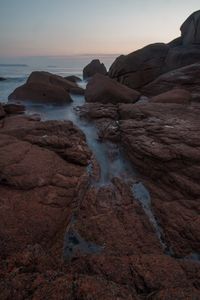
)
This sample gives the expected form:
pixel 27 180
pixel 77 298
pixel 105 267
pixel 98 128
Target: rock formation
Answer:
pixel 103 89
pixel 187 78
pixel 179 96
pixel 190 30
pixel 46 87
pixel 64 234
pixel 145 65
pixel 94 67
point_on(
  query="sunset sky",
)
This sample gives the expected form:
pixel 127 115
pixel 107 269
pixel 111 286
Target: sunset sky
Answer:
pixel 63 27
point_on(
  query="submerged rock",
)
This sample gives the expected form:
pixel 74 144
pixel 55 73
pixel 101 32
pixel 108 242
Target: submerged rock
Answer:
pixel 11 108
pixel 103 89
pixel 46 87
pixel 94 67
pixel 73 78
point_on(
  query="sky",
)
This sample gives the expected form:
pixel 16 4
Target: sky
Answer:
pixel 73 27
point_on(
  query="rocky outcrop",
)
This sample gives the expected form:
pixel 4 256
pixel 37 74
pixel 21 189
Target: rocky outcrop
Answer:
pixel 63 237
pixel 179 96
pixel 190 30
pixel 140 67
pixel 145 65
pixel 161 140
pixel 94 67
pixel 103 89
pixel 2 78
pixel 164 137
pixel 46 87
pixel 187 78
pixel 181 56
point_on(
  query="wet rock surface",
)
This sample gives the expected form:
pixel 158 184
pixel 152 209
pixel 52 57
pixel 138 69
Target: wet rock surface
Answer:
pixel 64 236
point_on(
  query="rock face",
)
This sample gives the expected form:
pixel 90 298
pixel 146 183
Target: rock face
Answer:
pixel 187 78
pixel 179 96
pixel 94 67
pixel 140 67
pixel 164 137
pixel 190 30
pixel 145 65
pixel 103 89
pixel 46 87
pixel 50 209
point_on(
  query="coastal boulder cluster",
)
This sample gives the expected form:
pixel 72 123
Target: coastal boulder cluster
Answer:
pixel 65 236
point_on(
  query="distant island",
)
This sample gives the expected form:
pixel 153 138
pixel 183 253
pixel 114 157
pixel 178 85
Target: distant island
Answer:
pixel 13 65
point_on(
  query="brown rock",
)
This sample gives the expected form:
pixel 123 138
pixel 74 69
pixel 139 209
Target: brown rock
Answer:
pixel 164 137
pixel 181 56
pixel 186 78
pixel 11 108
pixel 94 67
pixel 190 29
pixel 2 112
pixel 140 67
pixel 42 166
pixel 106 90
pixel 179 96
pixel 46 87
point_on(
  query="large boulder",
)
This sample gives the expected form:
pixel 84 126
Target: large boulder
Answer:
pixel 145 65
pixel 187 78
pixel 190 29
pixel 94 67
pixel 181 56
pixel 45 87
pixel 106 90
pixel 140 67
pixel 179 96
pixel 2 112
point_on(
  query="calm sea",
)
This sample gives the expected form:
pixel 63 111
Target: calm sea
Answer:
pixel 17 71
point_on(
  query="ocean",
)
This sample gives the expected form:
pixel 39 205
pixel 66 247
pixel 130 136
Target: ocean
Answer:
pixel 16 71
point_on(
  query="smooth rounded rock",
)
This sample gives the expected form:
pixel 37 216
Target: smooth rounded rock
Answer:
pixel 103 89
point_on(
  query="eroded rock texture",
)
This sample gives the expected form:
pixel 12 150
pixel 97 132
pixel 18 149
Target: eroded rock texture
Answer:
pixel 65 238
